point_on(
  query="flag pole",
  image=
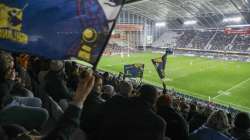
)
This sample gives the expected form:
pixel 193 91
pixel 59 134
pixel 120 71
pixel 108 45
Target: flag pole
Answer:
pixel 164 87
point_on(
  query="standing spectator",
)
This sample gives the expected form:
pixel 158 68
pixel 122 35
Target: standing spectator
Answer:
pixel 136 120
pixel 91 114
pixel 177 128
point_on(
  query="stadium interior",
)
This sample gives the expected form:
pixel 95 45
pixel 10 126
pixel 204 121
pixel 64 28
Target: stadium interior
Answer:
pixel 201 94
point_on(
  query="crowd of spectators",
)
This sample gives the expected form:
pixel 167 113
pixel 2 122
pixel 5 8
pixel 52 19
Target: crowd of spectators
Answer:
pixel 53 100
pixel 114 49
pixel 185 38
pixel 206 40
pixel 201 39
pixel 221 40
pixel 241 43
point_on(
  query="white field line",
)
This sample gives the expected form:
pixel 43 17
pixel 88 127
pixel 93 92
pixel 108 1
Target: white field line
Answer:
pixel 233 87
pixel 206 97
pixel 236 105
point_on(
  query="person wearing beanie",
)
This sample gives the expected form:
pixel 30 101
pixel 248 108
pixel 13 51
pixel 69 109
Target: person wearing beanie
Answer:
pixel 55 82
pixel 177 128
pixel 241 127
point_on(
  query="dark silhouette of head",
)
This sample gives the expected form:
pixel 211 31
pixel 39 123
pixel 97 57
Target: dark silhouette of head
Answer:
pixel 242 121
pixel 148 93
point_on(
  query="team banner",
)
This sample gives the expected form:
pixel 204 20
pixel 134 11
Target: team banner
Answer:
pixel 160 63
pixel 134 70
pixel 58 29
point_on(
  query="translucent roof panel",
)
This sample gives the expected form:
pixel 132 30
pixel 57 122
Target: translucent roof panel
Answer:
pixel 208 13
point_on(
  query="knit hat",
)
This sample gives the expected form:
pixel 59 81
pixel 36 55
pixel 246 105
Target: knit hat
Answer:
pixel 56 65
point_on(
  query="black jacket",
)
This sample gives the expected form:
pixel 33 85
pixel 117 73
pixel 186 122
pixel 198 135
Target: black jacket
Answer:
pixel 56 86
pixel 177 128
pixel 91 114
pixel 133 119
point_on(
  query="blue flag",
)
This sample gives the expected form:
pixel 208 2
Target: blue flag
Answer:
pixel 160 63
pixel 134 70
pixel 58 29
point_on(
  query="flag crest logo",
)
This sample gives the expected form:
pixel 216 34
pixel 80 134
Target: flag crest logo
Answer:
pixel 11 24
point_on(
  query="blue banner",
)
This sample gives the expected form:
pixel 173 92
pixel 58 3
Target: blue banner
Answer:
pixel 58 29
pixel 134 70
pixel 160 63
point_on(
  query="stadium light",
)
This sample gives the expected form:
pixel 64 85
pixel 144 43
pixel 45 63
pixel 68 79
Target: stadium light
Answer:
pixel 190 22
pixel 160 24
pixel 232 19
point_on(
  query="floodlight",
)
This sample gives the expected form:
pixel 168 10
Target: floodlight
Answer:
pixel 232 19
pixel 160 24
pixel 190 22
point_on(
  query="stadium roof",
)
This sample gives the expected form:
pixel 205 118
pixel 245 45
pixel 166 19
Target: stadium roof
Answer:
pixel 207 13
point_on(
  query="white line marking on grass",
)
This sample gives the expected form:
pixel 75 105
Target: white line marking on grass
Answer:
pixel 239 106
pixel 233 87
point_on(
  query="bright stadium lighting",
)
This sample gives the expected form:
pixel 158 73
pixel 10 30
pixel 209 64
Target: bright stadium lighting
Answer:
pixel 190 22
pixel 232 19
pixel 160 24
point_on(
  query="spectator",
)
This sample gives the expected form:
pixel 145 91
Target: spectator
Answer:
pixel 108 92
pixel 199 119
pixel 137 121
pixel 192 112
pixel 65 127
pixel 125 89
pixel 177 127
pixel 55 82
pixel 72 72
pixel 91 114
pixel 25 111
pixel 241 127
pixel 215 128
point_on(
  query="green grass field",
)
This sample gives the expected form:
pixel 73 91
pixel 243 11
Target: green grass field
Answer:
pixel 226 82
